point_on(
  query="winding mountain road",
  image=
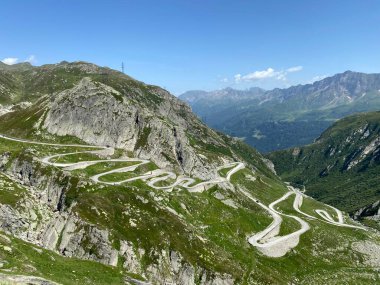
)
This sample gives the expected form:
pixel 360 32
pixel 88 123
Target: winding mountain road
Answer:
pixel 270 243
pixel 155 175
pixel 267 241
pixel 326 217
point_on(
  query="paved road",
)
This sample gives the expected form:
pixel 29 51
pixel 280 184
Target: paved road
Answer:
pixel 267 241
pixel 151 178
pixel 270 243
pixel 326 217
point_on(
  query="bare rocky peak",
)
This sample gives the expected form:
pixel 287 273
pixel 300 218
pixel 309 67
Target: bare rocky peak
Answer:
pixel 227 94
pixel 338 89
pixel 101 115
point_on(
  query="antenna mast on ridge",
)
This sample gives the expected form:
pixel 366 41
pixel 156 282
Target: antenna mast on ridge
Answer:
pixel 122 66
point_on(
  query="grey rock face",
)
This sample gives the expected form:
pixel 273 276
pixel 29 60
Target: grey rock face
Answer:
pixel 92 244
pixel 371 211
pixel 4 158
pixel 40 218
pixel 170 268
pixel 101 115
pixel 370 250
pixel 269 164
pixel 10 108
pixel 10 221
pixel 3 109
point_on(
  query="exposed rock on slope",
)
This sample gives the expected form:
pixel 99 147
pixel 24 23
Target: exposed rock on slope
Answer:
pixel 99 114
pixel 369 215
pixel 372 211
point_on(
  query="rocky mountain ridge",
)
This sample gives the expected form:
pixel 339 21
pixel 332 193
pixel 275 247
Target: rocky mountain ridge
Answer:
pixel 281 118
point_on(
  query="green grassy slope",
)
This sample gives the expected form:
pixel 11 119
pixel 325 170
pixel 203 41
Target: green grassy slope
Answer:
pixel 327 167
pixel 22 258
pixel 29 83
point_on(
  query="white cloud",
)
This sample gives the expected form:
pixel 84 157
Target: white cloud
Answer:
pixel 257 75
pixel 13 60
pixel 10 60
pixel 224 80
pixel 295 68
pixel 318 78
pixel 265 74
pixel 281 76
pixel 31 59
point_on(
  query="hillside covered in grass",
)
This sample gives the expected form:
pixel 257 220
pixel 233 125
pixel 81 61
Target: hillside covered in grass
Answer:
pixel 342 167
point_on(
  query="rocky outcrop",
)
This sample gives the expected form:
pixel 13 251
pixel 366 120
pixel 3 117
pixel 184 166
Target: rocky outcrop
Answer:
pixel 4 158
pixel 371 252
pixel 10 108
pixel 4 109
pixel 105 107
pixel 371 211
pixel 40 218
pixel 269 164
pixel 101 115
pixel 170 268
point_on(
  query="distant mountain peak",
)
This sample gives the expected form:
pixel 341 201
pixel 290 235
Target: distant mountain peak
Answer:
pixel 291 116
pixel 17 66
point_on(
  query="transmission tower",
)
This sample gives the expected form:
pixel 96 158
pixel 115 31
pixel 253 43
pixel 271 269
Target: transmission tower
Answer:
pixel 122 67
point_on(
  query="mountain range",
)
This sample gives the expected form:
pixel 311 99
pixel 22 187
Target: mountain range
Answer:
pixel 282 118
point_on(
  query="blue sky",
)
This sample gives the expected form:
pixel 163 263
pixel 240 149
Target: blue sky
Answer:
pixel 198 44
